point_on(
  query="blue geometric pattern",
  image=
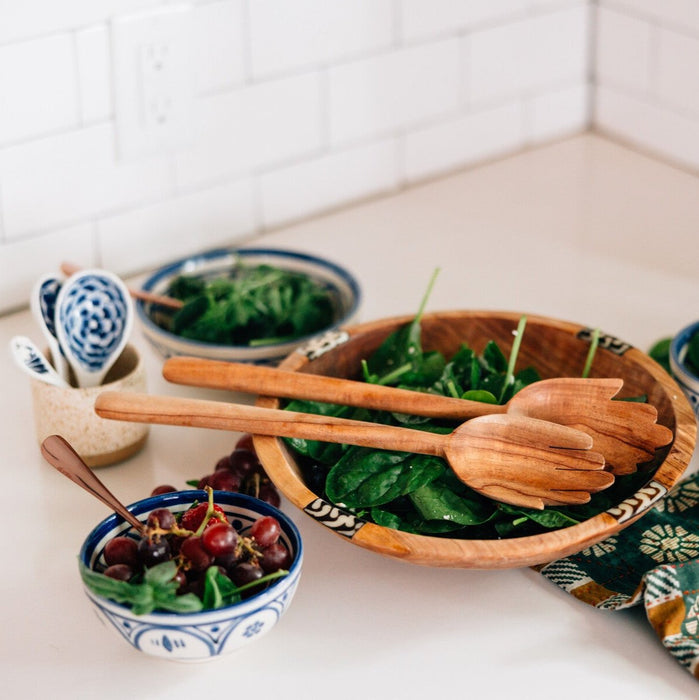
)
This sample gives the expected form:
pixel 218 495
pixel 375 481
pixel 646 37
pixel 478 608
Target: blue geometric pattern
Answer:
pixel 93 317
pixel 48 293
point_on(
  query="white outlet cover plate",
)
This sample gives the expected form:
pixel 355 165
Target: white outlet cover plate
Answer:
pixel 153 78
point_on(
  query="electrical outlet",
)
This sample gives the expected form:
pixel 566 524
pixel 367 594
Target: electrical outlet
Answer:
pixel 153 81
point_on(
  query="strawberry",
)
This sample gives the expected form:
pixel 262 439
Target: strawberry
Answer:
pixel 193 518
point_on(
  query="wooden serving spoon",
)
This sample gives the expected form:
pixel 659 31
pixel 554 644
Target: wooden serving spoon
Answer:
pixel 60 454
pixel 626 433
pixel 514 459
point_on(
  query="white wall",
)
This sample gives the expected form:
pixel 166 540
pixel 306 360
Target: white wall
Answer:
pixel 301 105
pixel 647 76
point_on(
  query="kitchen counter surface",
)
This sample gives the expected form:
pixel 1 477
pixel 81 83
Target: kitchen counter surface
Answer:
pixel 583 230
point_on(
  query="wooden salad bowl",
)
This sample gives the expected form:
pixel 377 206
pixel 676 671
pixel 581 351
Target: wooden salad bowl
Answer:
pixel 555 349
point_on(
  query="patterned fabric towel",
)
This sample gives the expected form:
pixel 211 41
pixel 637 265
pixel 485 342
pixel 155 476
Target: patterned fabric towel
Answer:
pixel 655 561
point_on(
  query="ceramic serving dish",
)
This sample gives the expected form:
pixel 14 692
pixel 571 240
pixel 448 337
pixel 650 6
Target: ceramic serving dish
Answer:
pixel 687 380
pixel 211 633
pixel 340 283
pixel 555 348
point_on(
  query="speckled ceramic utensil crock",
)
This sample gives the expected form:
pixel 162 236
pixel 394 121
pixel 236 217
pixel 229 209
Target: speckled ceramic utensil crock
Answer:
pixel 69 412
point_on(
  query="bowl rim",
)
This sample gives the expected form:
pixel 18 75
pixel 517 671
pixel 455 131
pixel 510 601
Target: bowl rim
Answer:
pixel 496 553
pixel 228 498
pixel 677 345
pixel 283 348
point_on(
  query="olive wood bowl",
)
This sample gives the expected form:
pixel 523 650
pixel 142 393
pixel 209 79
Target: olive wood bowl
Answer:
pixel 555 349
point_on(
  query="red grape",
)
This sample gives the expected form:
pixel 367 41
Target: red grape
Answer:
pixel 121 550
pixel 164 488
pixel 162 518
pixel 193 551
pixel 265 530
pixel 120 572
pixel 275 557
pixel 220 539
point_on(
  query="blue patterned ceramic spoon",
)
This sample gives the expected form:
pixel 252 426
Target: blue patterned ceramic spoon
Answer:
pixel 43 305
pixel 33 362
pixel 94 315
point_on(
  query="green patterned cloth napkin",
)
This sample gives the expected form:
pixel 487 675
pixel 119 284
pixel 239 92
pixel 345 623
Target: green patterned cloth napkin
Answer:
pixel 655 561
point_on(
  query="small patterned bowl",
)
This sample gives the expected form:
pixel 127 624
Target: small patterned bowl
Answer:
pixel 688 381
pixel 211 633
pixel 339 282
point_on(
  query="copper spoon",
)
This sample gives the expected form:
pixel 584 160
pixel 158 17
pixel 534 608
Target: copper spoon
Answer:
pixel 514 459
pixel 626 433
pixel 58 452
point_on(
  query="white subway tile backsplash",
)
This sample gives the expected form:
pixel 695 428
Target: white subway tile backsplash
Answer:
pixel 678 13
pixel 22 262
pixel 30 18
pixel 393 90
pixel 38 90
pixel 333 179
pixel 474 137
pixel 156 234
pixel 290 35
pixel 623 50
pixel 678 70
pixel 71 177
pixel 531 54
pixel 649 126
pixel 421 19
pixel 219 45
pixel 306 105
pixel 552 115
pixel 242 130
pixel 93 54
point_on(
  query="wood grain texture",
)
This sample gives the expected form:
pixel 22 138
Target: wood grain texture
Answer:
pixel 557 349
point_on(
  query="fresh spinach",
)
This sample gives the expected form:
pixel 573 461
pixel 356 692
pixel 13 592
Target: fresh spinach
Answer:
pixel 253 305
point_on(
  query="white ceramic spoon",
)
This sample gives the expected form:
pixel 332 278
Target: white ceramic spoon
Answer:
pixel 94 316
pixel 33 362
pixel 43 305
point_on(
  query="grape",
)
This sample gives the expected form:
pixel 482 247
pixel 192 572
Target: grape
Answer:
pixel 223 463
pixel 224 480
pixel 247 572
pixel 245 442
pixel 161 517
pixel 152 552
pixel 164 488
pixel 265 530
pixel 120 572
pixel 243 461
pixel 193 551
pixel 121 550
pixel 269 494
pixel 275 557
pixel 220 539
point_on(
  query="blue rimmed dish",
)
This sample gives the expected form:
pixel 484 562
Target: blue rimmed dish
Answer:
pixel 341 285
pixel 688 381
pixel 211 633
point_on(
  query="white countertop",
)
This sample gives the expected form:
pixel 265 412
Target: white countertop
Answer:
pixel 583 230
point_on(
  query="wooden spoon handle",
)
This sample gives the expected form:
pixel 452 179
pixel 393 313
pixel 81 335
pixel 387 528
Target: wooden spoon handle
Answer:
pixel 199 413
pixel 270 381
pixel 70 268
pixel 61 455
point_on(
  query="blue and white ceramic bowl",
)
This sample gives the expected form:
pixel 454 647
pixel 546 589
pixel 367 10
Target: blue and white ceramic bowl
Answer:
pixel 688 381
pixel 341 284
pixel 204 635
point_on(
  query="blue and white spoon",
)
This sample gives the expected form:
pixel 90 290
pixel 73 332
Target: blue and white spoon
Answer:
pixel 43 305
pixel 94 316
pixel 33 362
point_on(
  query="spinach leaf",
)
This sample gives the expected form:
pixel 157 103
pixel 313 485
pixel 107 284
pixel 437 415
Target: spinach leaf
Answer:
pixel 365 477
pixel 254 305
pixel 436 501
pixel 157 591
